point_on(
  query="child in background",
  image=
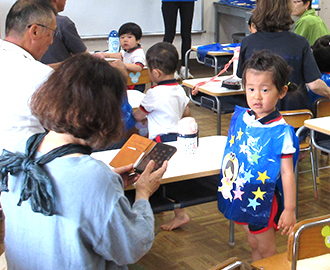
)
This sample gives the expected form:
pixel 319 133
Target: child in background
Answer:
pixel 164 105
pixel 258 158
pixel 132 54
pixel 321 52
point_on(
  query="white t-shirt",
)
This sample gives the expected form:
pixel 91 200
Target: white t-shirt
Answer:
pixel 164 104
pixel 21 75
pixel 134 56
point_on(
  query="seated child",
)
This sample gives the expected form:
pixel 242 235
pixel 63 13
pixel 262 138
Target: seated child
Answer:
pixel 164 105
pixel 321 52
pixel 131 52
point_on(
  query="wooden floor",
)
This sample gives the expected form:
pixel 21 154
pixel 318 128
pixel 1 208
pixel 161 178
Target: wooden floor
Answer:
pixel 203 242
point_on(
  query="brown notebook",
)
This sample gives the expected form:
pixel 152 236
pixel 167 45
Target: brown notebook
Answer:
pixel 139 151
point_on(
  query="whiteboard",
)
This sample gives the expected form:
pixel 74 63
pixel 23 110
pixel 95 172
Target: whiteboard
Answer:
pixel 95 19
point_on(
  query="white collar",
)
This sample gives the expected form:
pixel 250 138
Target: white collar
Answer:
pixel 13 48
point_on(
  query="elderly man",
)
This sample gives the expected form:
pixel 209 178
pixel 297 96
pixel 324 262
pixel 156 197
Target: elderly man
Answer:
pixel 30 28
pixel 67 42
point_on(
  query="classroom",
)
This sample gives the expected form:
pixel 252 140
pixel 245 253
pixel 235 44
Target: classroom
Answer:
pixel 208 241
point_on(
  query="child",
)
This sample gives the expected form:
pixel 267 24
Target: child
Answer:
pixel 164 105
pixel 258 158
pixel 321 52
pixel 132 53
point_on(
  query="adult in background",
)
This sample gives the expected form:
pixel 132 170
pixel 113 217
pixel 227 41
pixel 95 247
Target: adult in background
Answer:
pixel 308 25
pixel 29 29
pixel 273 20
pixel 170 10
pixel 74 214
pixel 67 42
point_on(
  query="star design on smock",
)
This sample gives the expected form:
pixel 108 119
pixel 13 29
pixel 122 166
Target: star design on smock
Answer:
pixel 259 194
pixel 238 194
pixel 253 203
pixel 247 176
pixel 239 134
pixel 239 182
pixel 232 140
pixel 263 176
pixel 243 147
pixel 255 157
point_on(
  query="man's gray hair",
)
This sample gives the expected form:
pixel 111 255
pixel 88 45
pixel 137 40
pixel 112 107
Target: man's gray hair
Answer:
pixel 27 12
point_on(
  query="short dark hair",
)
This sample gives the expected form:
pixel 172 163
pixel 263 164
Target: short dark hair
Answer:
pixel 266 60
pixel 321 52
pixel 26 12
pixel 131 28
pixel 272 15
pixel 163 56
pixel 83 98
pixel 310 3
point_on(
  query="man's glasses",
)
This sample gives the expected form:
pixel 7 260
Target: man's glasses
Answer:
pixel 55 32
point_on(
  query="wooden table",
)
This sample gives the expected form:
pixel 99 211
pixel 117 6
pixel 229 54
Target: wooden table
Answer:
pixel 320 124
pixel 213 89
pixel 181 167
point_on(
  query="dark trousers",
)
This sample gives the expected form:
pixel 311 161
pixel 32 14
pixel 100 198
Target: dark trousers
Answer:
pixel 170 12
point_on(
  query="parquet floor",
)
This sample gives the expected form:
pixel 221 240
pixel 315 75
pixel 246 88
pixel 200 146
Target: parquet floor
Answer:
pixel 203 242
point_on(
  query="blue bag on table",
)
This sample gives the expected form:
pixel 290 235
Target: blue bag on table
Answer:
pixel 216 47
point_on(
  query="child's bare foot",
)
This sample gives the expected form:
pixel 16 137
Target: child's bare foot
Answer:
pixel 181 218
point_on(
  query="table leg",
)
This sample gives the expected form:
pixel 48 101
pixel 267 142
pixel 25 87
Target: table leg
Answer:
pixel 231 233
pixel 215 65
pixel 187 60
pixel 218 110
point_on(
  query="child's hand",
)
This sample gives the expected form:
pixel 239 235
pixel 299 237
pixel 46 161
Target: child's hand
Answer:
pixel 99 55
pixel 287 220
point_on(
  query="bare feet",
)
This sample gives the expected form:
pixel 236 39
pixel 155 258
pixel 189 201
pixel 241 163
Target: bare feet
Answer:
pixel 181 217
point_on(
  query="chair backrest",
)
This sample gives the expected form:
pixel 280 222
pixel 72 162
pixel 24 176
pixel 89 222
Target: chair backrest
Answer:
pixel 296 118
pixel 322 107
pixel 141 77
pixel 232 263
pixel 309 238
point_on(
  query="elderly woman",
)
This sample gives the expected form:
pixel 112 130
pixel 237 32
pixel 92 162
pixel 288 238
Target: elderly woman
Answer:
pixel 272 19
pixel 308 25
pixel 72 212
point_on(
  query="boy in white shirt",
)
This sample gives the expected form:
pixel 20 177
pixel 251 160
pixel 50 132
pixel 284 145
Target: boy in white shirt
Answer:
pixel 164 105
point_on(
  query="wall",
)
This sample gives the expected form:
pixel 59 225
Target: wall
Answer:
pixel 325 11
pixel 228 26
pixel 148 41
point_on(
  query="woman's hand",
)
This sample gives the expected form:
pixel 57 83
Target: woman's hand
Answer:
pixel 126 174
pixel 149 181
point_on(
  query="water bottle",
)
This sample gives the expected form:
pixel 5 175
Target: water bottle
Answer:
pixel 113 42
pixel 188 136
